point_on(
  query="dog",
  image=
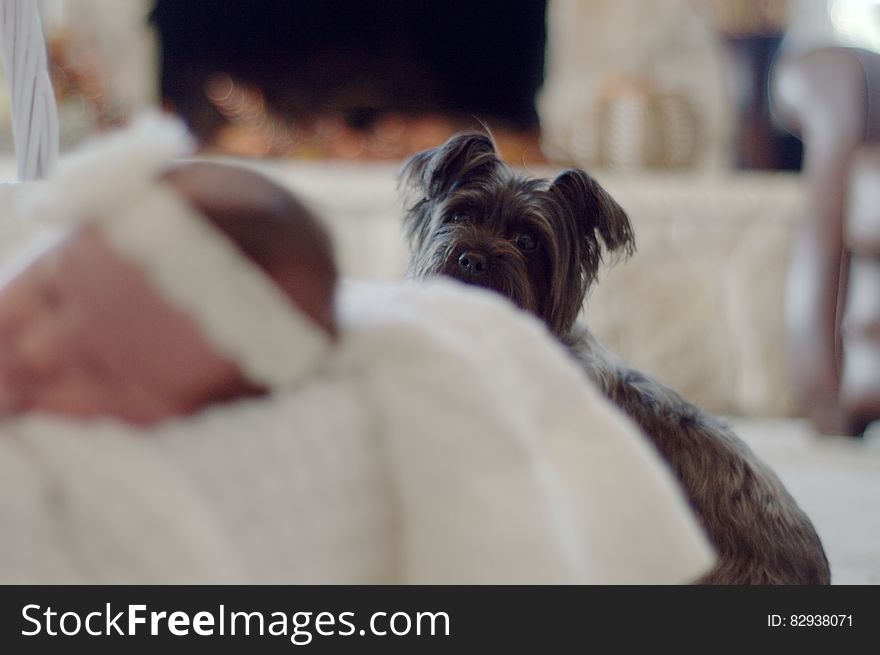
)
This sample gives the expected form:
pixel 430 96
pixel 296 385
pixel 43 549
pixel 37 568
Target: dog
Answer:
pixel 468 215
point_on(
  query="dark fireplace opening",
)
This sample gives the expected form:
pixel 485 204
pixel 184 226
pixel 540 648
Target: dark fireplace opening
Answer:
pixel 360 62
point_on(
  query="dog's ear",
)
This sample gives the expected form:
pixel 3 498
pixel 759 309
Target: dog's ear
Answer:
pixel 600 221
pixel 433 173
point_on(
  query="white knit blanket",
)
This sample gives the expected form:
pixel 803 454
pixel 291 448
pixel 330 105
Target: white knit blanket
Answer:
pixel 449 440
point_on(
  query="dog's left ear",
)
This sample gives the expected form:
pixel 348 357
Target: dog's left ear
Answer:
pixel 601 221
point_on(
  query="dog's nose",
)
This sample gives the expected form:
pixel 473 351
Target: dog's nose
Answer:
pixel 473 263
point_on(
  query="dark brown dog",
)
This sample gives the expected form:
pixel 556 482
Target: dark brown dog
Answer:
pixel 540 244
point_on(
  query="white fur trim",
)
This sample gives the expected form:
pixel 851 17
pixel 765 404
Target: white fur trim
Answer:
pixel 244 315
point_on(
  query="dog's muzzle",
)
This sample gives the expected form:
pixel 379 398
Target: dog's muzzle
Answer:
pixel 472 265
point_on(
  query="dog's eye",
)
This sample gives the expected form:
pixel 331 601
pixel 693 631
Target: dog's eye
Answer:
pixel 459 218
pixel 525 241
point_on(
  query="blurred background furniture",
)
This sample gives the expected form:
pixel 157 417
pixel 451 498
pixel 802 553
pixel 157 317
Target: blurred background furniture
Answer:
pixel 831 97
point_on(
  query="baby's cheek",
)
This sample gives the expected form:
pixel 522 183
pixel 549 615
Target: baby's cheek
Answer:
pixel 127 397
pixel 40 355
pixel 49 348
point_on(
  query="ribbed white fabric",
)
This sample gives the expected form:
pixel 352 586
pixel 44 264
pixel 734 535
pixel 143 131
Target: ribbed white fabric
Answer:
pixel 507 464
pixel 449 440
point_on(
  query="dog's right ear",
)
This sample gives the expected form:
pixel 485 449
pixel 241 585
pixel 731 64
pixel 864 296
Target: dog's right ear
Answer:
pixel 603 224
pixel 433 173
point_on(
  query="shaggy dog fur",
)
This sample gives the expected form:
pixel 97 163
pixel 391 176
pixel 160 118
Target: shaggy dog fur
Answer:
pixel 540 243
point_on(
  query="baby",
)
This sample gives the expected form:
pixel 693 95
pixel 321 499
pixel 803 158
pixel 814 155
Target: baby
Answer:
pixel 88 330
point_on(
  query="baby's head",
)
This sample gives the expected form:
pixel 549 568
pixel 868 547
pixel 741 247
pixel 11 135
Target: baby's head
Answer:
pixel 89 330
pixel 270 227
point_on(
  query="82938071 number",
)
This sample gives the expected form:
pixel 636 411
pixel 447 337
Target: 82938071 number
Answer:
pixel 810 621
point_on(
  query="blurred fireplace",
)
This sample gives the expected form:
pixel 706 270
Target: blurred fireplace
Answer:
pixel 359 61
